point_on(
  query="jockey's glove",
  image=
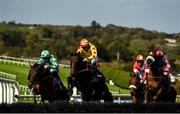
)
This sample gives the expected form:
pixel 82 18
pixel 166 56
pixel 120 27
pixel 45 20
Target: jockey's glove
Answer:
pixel 165 73
pixel 166 69
pixel 93 61
pixel 52 70
pixel 85 59
pixel 140 76
pixel 141 81
pixel 45 66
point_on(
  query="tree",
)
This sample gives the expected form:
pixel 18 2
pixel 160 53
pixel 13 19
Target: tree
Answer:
pixel 95 25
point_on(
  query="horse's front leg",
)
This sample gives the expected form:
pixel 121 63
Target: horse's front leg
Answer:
pixel 145 98
pixel 157 94
pixel 133 97
pixel 42 99
pixel 35 101
pixel 145 101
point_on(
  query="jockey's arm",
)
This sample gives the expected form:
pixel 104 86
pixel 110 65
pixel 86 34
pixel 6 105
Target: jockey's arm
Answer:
pixel 145 74
pixel 167 68
pixel 93 55
pixel 167 64
pixel 135 71
pixel 54 65
pixel 146 71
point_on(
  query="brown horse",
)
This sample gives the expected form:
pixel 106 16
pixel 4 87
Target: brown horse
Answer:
pixel 155 90
pixel 42 82
pixel 136 89
pixel 83 77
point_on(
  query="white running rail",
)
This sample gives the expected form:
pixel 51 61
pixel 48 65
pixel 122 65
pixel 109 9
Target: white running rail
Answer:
pixel 8 88
pixel 22 61
pixel 7 75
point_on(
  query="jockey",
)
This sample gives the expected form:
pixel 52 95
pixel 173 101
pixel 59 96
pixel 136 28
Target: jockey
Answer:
pixel 50 62
pixel 138 67
pixel 162 67
pixel 89 52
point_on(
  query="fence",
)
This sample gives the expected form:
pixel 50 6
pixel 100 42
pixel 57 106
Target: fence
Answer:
pixel 23 61
pixel 8 88
pixel 7 75
pixel 117 98
pixel 18 59
pixel 11 92
pixel 26 95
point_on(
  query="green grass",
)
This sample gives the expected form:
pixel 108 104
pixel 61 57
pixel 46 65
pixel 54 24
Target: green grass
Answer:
pixel 22 74
pixel 117 89
pixel 119 77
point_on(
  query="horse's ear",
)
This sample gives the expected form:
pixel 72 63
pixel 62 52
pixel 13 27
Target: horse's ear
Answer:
pixel 150 60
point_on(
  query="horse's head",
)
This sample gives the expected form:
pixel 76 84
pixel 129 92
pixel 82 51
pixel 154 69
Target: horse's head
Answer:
pixel 149 60
pixel 77 64
pixel 153 82
pixel 148 70
pixel 35 75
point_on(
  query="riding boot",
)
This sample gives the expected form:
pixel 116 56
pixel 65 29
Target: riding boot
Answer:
pixel 99 75
pixel 57 83
pixel 57 80
pixel 167 85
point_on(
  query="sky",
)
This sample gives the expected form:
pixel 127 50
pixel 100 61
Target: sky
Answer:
pixel 156 15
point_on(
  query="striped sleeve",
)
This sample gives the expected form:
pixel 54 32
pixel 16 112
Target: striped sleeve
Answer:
pixel 93 52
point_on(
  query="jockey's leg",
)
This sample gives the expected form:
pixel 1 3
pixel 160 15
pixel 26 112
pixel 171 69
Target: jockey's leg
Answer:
pixel 167 83
pixel 57 80
pixel 99 75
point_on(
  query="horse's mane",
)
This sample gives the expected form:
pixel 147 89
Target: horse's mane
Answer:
pixel 74 54
pixel 35 65
pixel 39 68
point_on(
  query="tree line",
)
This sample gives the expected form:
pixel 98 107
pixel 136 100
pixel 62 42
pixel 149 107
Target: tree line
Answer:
pixel 28 40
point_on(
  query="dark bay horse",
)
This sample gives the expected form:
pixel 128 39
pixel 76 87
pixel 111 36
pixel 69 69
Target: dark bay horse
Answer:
pixel 83 77
pixel 136 89
pixel 155 90
pixel 43 83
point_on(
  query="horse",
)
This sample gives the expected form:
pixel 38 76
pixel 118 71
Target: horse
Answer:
pixel 84 78
pixel 155 90
pixel 136 89
pixel 42 82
